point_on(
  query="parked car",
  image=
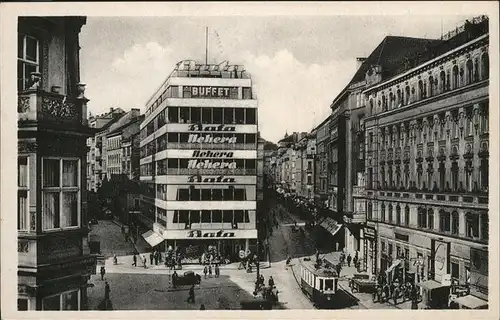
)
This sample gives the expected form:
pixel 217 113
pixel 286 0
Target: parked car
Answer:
pixel 188 278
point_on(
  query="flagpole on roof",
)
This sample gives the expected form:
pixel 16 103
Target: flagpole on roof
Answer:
pixel 206 45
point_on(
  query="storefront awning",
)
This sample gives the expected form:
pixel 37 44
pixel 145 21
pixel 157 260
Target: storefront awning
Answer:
pixel 330 225
pixel 394 265
pixel 152 238
pixel 471 302
pixel 430 285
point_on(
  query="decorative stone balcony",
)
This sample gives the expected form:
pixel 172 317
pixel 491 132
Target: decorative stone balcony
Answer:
pixel 45 107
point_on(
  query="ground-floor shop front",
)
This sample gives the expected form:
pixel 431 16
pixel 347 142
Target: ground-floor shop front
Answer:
pixel 230 245
pixel 436 263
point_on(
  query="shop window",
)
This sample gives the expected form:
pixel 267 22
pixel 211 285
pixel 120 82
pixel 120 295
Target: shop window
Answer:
pixel 472 225
pixel 217 115
pixel 206 115
pixel 250 116
pixel 430 219
pixel 217 216
pixel 227 216
pixel 206 216
pixel 228 115
pixel 28 60
pixel 194 217
pixel 173 115
pixel 444 221
pixel 195 115
pixel 60 193
pixel 484 226
pixel 22 304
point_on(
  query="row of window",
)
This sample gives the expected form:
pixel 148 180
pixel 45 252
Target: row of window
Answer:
pixel 173 92
pixel 200 115
pixel 429 132
pixel 476 224
pixel 60 194
pixel 114 159
pixel 446 81
pixel 161 143
pixel 447 180
pixel 210 216
pixel 229 194
pixel 162 166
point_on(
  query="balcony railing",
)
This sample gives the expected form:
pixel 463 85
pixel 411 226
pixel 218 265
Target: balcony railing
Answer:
pixel 213 146
pixel 41 106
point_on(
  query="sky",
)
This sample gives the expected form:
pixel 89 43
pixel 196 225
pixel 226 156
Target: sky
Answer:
pixel 298 64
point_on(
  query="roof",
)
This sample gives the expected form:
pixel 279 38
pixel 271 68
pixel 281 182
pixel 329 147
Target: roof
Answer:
pixel 125 121
pixel 325 270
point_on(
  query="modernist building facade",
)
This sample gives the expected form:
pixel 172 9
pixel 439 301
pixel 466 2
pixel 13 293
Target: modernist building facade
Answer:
pixel 97 147
pixel 54 264
pixel 199 160
pixel 427 164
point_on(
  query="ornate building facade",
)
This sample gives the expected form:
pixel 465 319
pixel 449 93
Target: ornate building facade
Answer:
pixel 426 138
pixel 54 264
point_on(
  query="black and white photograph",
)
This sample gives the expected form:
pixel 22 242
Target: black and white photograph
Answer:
pixel 254 156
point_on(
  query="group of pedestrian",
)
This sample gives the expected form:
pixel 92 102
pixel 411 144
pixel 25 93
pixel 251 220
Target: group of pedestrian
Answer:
pixel 155 256
pixel 270 292
pixel 143 260
pixel 208 269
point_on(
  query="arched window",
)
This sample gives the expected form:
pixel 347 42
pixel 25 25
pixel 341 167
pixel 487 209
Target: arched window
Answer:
pixel 485 66
pixel 442 81
pixel 422 218
pixel 384 103
pixel 407 216
pixel 371 106
pixel 398 98
pixel 444 221
pixel 470 71
pixel 455 77
pixel 476 70
pixel 431 86
pixel 454 223
pixel 407 95
pixel 430 219
pixel 398 215
pixel 390 213
pixel 382 212
pixel 391 100
pixel 421 93
pixel 472 225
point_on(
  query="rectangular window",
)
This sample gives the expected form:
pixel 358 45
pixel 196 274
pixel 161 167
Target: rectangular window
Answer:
pixel 60 193
pixel 206 216
pixel 28 60
pixel 239 115
pixel 247 93
pixel 454 270
pixel 250 116
pixel 22 194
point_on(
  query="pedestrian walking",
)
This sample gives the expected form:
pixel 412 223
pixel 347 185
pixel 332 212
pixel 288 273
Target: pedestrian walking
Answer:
pixel 134 260
pixel 210 270
pixel 115 259
pixel 271 281
pixel 103 271
pixel 205 271
pixel 288 259
pixel 106 290
pixel 355 260
pixel 190 298
pixel 349 260
pixel 338 268
pixel 151 257
pixel 144 260
pixel 174 279
pixel 217 270
pixel 156 257
pixel 261 280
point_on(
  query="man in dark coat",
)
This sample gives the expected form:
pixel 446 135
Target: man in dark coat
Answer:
pixel 191 295
pixel 134 259
pixel 151 257
pixel 349 260
pixel 103 272
pixel 106 291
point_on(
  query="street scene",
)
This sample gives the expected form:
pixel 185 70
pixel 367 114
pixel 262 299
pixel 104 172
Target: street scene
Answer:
pixel 260 163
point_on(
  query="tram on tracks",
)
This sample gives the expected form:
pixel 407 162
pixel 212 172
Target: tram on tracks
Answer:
pixel 318 282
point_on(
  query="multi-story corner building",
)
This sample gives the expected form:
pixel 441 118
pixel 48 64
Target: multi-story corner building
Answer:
pixel 427 164
pixel 347 135
pixel 306 149
pixel 321 163
pixel 199 160
pixel 96 155
pixel 120 133
pixel 54 264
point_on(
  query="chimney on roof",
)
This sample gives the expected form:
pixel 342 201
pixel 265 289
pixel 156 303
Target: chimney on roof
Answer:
pixel 359 62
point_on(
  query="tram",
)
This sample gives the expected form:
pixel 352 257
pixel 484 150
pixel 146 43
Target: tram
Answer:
pixel 318 282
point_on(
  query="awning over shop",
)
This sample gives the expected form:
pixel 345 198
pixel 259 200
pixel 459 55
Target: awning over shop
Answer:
pixel 394 265
pixel 431 285
pixel 152 238
pixel 330 225
pixel 471 302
